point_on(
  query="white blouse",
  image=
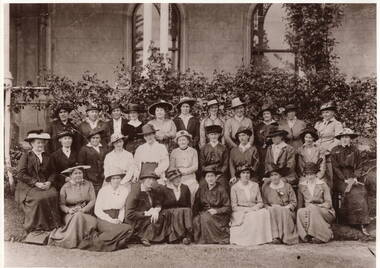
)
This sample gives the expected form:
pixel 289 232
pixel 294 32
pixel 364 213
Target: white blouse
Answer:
pixel 156 153
pixel 120 162
pixel 108 198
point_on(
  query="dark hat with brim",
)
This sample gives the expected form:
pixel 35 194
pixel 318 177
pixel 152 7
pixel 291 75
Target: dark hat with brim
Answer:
pixel 64 106
pixel 37 135
pixel 109 178
pixel 115 105
pixel 147 129
pixel 290 108
pixel 65 133
pixel 214 129
pixel 312 131
pixel 242 168
pixel 94 132
pixel 71 169
pixel 277 132
pixel 147 171
pixel 212 103
pixel 243 130
pixel 188 100
pixel 347 132
pixel 161 104
pixel 281 171
pixel 266 108
pixel 92 107
pixel 331 105
pixel 211 169
pixel 133 107
pixel 172 174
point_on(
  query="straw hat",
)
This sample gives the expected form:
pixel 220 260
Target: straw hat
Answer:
pixel 108 178
pixel 182 133
pixel 347 132
pixel 236 102
pixel 188 100
pixel 37 134
pixel 116 137
pixel 212 102
pixel 162 104
pixel 71 169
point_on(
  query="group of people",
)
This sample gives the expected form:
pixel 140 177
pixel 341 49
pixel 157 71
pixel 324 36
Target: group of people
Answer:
pixel 102 185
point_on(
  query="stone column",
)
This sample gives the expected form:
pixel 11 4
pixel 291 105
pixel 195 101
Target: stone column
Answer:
pixel 7 101
pixel 164 28
pixel 147 37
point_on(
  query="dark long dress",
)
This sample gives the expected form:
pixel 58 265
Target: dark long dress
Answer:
pixel 59 162
pixel 181 213
pixel 211 229
pixel 140 201
pixel 56 127
pixel 81 226
pixel 89 156
pixel 345 162
pixel 249 157
pixel 134 140
pixel 40 206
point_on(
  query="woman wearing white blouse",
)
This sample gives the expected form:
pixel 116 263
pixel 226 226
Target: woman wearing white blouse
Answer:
pixel 120 161
pixel 110 211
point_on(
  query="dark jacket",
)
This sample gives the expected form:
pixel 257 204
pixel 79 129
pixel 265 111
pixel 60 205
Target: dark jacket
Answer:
pixel 30 171
pixel 89 156
pixel 217 156
pixel 85 129
pixel 60 162
pixel 56 127
pixel 192 127
pixel 184 200
pixel 133 139
pixel 124 127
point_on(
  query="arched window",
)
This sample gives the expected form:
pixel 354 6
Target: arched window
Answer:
pixel 174 33
pixel 268 45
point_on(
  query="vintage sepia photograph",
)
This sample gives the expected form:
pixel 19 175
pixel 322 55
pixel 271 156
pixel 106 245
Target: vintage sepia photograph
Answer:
pixel 197 134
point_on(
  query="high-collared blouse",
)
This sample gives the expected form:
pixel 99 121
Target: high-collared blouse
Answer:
pixel 186 160
pixel 120 163
pixel 243 196
pixel 312 154
pixel 109 198
pixel 166 127
pixel 327 130
pixel 154 153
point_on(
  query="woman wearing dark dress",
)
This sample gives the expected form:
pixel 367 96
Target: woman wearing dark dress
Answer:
pixel 186 121
pixel 212 211
pixel 134 128
pixel 177 202
pixel 345 159
pixel 262 141
pixel 77 200
pixel 93 154
pixel 144 204
pixel 63 158
pixel 34 191
pixel 62 123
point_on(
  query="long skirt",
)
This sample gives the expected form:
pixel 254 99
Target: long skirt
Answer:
pixel 315 221
pixel 282 222
pixel 79 226
pixel 41 210
pixel 155 232
pixel 191 182
pixel 181 225
pixel 255 229
pixel 354 208
pixel 211 229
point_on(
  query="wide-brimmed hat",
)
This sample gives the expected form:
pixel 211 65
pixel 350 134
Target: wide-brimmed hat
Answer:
pixel 95 131
pixel 213 129
pixel 115 105
pixel 188 100
pixel 172 173
pixel 76 166
pixel 347 132
pixel 236 102
pixel 277 132
pixel 241 168
pixel 162 104
pixel 116 137
pixel 147 129
pixel 212 102
pixel 108 178
pixel 266 107
pixel 290 107
pixel 182 133
pixel 282 171
pixel 211 169
pixel 309 130
pixel 37 134
pixel 243 129
pixel 65 133
pixel 331 105
pixel 63 106
pixel 311 168
pixel 133 107
pixel 147 171
pixel 91 107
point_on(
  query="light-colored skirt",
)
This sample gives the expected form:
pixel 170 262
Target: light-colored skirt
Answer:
pixel 255 229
